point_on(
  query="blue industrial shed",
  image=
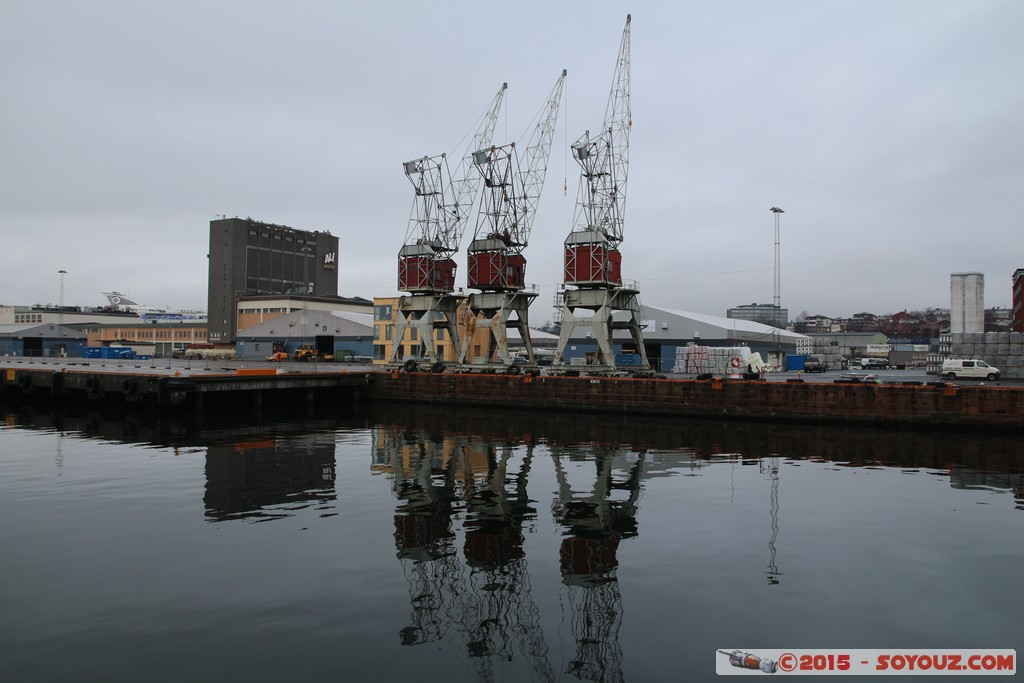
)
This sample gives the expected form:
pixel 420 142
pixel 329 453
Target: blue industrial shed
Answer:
pixel 46 340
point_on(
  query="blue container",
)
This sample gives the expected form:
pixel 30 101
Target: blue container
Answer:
pixel 107 352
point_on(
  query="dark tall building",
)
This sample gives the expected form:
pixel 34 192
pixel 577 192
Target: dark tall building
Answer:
pixel 250 257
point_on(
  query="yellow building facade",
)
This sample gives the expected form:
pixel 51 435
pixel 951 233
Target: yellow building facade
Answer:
pixel 385 311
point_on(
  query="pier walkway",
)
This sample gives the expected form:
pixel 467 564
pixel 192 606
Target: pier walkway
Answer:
pixel 178 383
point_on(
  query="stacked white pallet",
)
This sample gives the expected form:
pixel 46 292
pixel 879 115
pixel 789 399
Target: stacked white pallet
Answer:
pixel 689 359
pixel 1005 350
pixel 699 360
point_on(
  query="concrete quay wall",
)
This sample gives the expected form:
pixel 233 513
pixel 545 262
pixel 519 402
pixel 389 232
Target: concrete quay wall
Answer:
pixel 895 404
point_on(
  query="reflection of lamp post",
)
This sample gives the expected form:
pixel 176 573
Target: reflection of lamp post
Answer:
pixel 60 311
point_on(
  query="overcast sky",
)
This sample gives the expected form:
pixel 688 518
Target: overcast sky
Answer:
pixel 889 131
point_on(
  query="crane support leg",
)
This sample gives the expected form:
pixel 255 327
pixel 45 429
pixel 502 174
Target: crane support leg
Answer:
pixel 604 304
pixel 426 313
pixel 497 312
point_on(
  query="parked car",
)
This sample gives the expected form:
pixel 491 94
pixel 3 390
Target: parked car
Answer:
pixel 952 368
pixel 815 364
pixel 874 363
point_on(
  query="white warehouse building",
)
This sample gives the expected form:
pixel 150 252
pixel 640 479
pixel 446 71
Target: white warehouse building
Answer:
pixel 665 330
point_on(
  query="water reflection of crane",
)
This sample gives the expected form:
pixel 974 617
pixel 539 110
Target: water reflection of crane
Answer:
pixel 491 606
pixel 595 524
pixel 424 483
pixel 502 615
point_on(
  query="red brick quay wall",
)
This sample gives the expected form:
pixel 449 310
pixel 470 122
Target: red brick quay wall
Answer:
pixel 896 404
pixel 794 401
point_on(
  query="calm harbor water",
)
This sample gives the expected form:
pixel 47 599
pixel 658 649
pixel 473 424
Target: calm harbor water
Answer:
pixel 411 543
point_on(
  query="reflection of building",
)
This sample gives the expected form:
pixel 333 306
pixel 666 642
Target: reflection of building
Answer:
pixel 262 477
pixel 967 478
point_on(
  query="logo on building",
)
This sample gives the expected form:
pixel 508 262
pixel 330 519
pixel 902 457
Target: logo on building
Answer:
pixel 330 260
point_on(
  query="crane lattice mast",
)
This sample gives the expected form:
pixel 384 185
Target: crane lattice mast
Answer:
pixel 497 266
pixel 593 264
pixel 508 207
pixel 440 213
pixel 426 269
pixel 592 258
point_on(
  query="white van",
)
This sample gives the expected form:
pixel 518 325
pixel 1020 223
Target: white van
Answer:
pixel 953 368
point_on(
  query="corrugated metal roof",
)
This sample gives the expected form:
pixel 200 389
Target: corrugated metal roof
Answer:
pixel 748 326
pixel 47 330
pixel 358 318
pixel 669 325
pixel 15 329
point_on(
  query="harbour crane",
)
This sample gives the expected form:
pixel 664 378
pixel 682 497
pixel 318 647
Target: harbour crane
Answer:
pixel 496 265
pixel 426 269
pixel 593 264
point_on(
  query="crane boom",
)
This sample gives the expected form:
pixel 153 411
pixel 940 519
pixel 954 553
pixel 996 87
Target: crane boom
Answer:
pixel 604 159
pixel 467 181
pixel 440 212
pixel 538 151
pixel 509 205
